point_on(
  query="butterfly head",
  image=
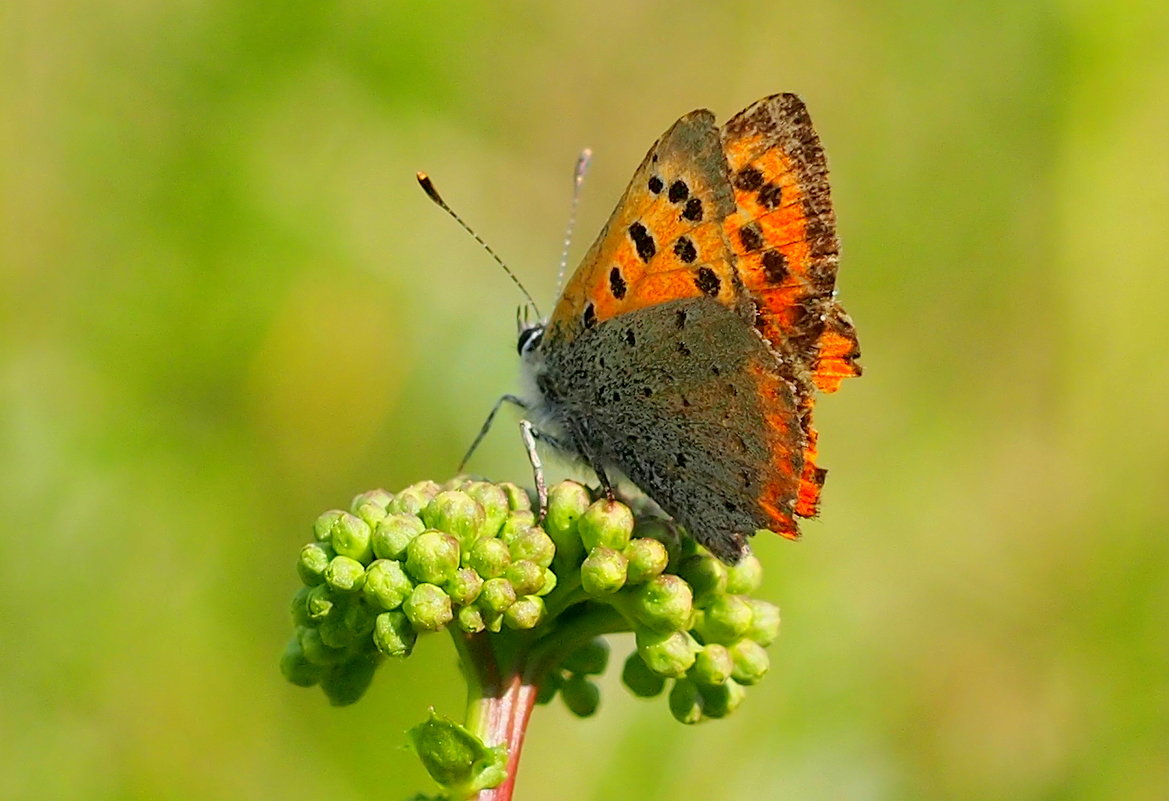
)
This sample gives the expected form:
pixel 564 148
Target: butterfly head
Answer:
pixel 529 338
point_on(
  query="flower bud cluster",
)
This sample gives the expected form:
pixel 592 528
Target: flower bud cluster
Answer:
pixel 694 620
pixel 470 556
pixel 467 555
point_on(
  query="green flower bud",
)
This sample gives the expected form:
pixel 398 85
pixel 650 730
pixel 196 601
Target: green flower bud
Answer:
pixel 319 602
pixel 686 702
pixel 567 501
pixel 333 629
pixel 581 696
pixel 667 654
pixel 751 661
pixel 706 575
pixel 359 619
pixel 394 534
pixel 603 572
pixel 533 545
pixel 311 563
pixel 527 577
pixel 549 583
pixel 456 513
pixel 495 506
pixel 745 577
pixel 428 607
pixel 489 558
pixel 665 532
pixel 299 607
pixel 640 680
pixel 378 497
pixel 464 588
pixel 590 659
pixel 517 497
pixel 386 584
pixel 664 604
pixel 457 759
pixel 712 665
pixel 393 635
pixel 346 682
pixel 296 668
pixel 323 528
pixel 314 649
pixel 351 536
pixel 413 499
pixel 647 558
pixel 525 613
pixel 726 620
pixel 515 522
pixel 549 686
pixel 344 574
pixel 764 621
pixel 607 524
pixel 470 619
pixel 497 595
pixel 432 557
pixel 720 700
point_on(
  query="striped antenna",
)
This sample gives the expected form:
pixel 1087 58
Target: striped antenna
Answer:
pixel 428 187
pixel 582 164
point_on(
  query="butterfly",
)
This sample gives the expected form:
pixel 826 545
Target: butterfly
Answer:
pixel 685 351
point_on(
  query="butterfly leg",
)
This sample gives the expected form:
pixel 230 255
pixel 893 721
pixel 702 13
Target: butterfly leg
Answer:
pixel 512 399
pixel 529 435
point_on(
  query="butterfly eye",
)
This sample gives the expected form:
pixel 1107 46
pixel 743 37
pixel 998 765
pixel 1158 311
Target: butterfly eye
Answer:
pixel 529 339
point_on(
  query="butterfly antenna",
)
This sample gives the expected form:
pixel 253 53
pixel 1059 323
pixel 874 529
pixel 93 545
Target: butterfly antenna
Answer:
pixel 582 164
pixel 428 187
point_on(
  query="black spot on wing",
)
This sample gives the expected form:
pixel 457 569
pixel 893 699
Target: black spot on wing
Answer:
pixel 617 283
pixel 590 316
pixel 748 179
pixel 774 267
pixel 770 195
pixel 707 281
pixel 751 237
pixel 693 210
pixel 642 241
pixel 678 192
pixel 684 249
pixel 655 184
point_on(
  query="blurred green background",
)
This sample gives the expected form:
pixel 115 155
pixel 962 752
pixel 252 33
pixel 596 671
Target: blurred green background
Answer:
pixel 226 306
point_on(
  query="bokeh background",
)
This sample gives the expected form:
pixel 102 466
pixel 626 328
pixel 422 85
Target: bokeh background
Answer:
pixel 226 306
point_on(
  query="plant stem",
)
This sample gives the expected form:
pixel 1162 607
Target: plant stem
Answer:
pixel 500 695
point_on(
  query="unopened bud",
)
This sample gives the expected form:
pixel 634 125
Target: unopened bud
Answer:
pixel 525 613
pixel 603 572
pixel 432 557
pixel 489 557
pixel 664 604
pixel 581 696
pixel 428 607
pixel 647 558
pixel 393 535
pixel 751 661
pixel 607 524
pixel 393 634
pixel 686 702
pixel 465 586
pixel 351 536
pixel 527 577
pixel 386 584
pixel 669 654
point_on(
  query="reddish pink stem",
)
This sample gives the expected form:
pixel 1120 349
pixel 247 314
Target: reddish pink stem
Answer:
pixel 506 721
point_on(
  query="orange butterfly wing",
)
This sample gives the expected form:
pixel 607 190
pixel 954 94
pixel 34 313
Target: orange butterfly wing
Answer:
pixel 665 239
pixel 783 233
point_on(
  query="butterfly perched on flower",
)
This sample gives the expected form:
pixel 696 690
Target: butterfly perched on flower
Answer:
pixel 684 352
